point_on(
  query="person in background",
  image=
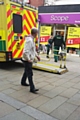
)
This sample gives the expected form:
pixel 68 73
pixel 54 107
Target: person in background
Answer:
pixel 49 46
pixel 62 34
pixel 36 45
pixel 58 42
pixel 29 54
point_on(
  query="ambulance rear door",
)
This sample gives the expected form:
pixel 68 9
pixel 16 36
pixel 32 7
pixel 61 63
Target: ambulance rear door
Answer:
pixel 17 32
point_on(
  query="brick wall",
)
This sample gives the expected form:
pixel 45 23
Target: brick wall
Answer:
pixel 36 3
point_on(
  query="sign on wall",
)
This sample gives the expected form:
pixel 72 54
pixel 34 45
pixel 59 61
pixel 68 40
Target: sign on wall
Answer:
pixel 59 18
pixel 45 33
pixel 73 36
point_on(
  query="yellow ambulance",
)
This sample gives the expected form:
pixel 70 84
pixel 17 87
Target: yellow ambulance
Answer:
pixel 16 21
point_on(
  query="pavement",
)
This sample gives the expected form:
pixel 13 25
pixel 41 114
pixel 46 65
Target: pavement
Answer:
pixel 57 99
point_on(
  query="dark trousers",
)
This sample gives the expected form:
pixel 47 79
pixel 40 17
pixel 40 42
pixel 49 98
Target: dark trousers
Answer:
pixel 28 73
pixel 48 49
pixel 56 51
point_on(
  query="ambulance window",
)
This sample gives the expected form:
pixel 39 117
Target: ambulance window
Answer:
pixel 17 23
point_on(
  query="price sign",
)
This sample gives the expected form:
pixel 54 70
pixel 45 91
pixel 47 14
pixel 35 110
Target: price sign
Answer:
pixel 45 33
pixel 73 37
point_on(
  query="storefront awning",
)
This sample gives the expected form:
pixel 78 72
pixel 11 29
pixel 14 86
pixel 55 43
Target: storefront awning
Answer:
pixel 59 18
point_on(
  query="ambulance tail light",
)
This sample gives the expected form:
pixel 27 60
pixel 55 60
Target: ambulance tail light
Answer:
pixel 9 56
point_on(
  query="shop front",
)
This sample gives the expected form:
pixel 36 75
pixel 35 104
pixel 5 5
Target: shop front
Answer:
pixel 65 19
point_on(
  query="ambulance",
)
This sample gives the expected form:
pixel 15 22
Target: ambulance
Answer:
pixel 16 21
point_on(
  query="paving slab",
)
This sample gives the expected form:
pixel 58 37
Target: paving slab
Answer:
pixel 5 109
pixel 75 115
pixel 79 92
pixel 37 114
pixel 52 104
pixel 37 76
pixel 68 84
pixel 70 77
pixel 42 91
pixel 56 91
pixel 28 97
pixel 77 86
pixel 69 92
pixel 17 115
pixel 50 75
pixel 51 81
pixel 48 87
pixel 4 87
pixel 17 82
pixel 18 87
pixel 13 102
pixel 42 84
pixel 76 74
pixel 8 91
pixel 75 80
pixel 64 111
pixel 42 79
pixel 51 86
pixel 3 82
pixel 75 100
pixel 60 82
pixel 19 93
pixel 38 101
pixel 14 79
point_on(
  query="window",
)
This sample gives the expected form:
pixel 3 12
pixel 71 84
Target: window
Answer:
pixel 17 23
pixel 27 1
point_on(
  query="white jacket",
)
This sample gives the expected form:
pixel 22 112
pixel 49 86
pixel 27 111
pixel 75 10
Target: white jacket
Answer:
pixel 29 51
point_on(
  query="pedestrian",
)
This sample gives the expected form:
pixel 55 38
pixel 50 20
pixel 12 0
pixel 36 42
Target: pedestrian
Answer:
pixel 29 54
pixel 49 46
pixel 58 42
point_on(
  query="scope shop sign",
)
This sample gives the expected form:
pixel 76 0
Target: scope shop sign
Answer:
pixel 73 36
pixel 45 33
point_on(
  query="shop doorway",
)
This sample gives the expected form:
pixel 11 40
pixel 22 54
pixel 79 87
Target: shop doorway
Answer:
pixel 60 28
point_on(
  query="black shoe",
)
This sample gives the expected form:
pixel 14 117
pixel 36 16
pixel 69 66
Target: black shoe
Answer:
pixel 47 56
pixel 55 61
pixel 34 91
pixel 25 84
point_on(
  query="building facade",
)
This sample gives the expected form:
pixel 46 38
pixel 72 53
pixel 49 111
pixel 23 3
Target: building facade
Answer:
pixel 37 3
pixel 61 2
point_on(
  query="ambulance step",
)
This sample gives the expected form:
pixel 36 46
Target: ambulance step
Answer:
pixel 49 68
